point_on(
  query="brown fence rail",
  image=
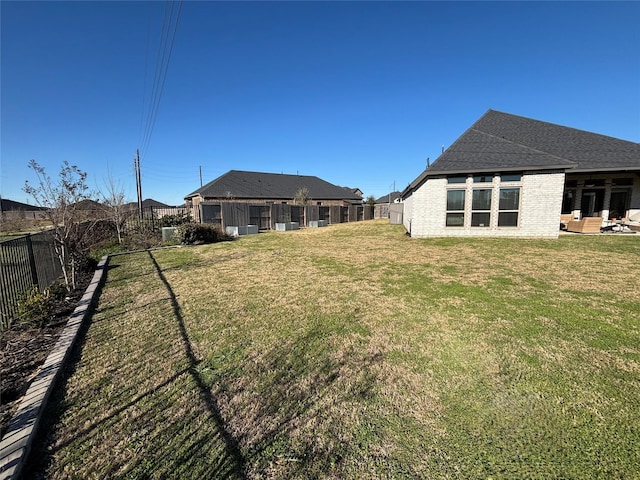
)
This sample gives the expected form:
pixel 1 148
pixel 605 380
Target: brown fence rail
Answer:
pixel 25 262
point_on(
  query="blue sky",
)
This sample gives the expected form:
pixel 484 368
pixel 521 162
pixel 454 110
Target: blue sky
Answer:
pixel 356 93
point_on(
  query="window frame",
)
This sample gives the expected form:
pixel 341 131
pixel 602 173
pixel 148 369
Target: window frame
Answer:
pixel 483 179
pixel 450 212
pixel 509 210
pixel 457 180
pixel 481 211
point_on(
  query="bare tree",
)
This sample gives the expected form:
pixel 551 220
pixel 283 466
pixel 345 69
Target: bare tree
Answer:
pixel 113 197
pixel 302 196
pixel 61 200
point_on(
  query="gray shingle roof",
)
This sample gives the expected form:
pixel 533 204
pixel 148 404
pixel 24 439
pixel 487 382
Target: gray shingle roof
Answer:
pixel 242 184
pixel 385 198
pixel 7 205
pixel 503 142
pixel 148 202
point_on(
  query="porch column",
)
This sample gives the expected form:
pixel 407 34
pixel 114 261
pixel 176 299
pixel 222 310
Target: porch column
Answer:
pixel 577 202
pixel 606 202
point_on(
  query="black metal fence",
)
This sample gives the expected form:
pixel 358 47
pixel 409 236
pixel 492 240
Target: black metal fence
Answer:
pixel 25 262
pixel 152 218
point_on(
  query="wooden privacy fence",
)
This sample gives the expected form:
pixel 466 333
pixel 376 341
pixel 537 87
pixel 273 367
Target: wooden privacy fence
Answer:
pixel 265 216
pixel 25 262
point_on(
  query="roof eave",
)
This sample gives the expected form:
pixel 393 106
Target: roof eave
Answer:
pixel 608 169
pixel 520 168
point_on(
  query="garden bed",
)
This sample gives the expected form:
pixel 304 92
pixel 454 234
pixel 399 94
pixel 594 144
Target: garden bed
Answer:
pixel 24 350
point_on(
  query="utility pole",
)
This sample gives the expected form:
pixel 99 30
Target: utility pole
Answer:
pixel 136 162
pixel 200 176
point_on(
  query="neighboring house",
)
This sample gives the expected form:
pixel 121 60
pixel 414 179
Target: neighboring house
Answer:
pixel 355 191
pixel 393 197
pixel 147 203
pixel 7 205
pixel 271 188
pixel 154 209
pixel 90 205
pixel 514 176
pixel 382 204
pixel 10 210
pixel 150 202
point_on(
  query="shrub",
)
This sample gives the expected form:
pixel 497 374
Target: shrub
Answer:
pixel 197 233
pixel 142 237
pixel 175 220
pixel 34 307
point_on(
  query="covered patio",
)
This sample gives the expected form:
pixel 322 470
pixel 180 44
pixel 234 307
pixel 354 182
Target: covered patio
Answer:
pixel 601 202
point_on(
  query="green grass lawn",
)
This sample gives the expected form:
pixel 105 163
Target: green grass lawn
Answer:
pixel 354 351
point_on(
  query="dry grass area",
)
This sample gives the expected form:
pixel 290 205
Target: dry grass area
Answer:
pixel 354 351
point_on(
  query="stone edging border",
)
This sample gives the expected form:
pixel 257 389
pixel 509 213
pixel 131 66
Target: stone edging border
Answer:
pixel 18 439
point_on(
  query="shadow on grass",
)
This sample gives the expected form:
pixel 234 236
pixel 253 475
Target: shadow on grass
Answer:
pixel 175 450
pixel 290 416
pixel 232 449
pixel 296 412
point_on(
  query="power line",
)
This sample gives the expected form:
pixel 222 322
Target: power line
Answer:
pixel 146 68
pixel 164 35
pixel 163 60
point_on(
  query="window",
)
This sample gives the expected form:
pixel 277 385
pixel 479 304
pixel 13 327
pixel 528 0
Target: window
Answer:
pixel 592 202
pixel 483 179
pixel 456 179
pixel 455 208
pixel 481 208
pixel 511 177
pixel 508 207
pixel 598 182
pixel 619 203
pixel 622 182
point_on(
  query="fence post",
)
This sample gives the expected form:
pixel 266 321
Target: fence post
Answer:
pixel 32 261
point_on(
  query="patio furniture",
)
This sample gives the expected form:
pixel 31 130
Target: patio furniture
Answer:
pixel 624 226
pixel 585 225
pixel 634 227
pixel 565 218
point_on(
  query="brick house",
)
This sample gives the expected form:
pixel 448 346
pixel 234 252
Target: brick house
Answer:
pixel 270 188
pixel 514 176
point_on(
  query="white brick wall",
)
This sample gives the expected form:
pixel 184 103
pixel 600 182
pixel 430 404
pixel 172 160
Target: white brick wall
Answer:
pixel 407 212
pixel 539 215
pixel 541 204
